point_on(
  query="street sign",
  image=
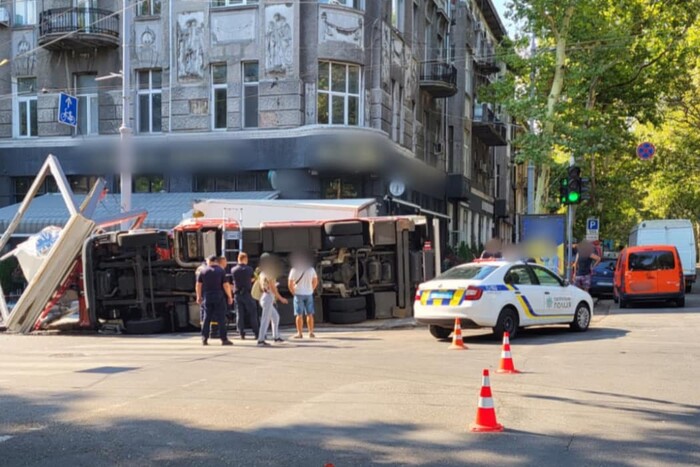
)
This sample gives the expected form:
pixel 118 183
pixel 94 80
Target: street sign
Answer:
pixel 646 151
pixel 592 229
pixel 68 110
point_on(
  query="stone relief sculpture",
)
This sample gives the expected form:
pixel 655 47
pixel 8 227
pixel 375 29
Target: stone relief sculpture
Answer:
pixel 147 51
pixel 386 53
pixel 190 45
pixel 278 44
pixel 24 61
pixel 331 30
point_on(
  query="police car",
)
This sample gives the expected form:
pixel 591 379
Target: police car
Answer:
pixel 503 295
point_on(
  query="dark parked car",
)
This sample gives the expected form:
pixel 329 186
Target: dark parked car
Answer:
pixel 602 279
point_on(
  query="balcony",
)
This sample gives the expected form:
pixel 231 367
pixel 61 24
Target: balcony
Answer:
pixel 78 28
pixel 457 187
pixel 485 61
pixel 439 79
pixel 487 126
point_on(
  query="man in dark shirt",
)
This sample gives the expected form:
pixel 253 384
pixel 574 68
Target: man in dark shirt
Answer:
pixel 246 307
pixel 213 292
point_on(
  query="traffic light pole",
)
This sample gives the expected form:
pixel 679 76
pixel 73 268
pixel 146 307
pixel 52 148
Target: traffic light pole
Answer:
pixel 569 231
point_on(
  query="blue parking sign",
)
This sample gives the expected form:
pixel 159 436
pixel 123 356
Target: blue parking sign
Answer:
pixel 68 110
pixel 593 224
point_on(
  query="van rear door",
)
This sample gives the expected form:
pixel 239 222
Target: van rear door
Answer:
pixel 641 276
pixel 669 272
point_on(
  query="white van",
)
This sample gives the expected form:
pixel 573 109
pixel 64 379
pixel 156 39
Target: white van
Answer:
pixel 676 232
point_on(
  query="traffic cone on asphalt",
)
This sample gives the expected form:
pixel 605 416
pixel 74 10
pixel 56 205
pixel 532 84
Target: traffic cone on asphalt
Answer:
pixel 506 365
pixel 486 413
pixel 457 342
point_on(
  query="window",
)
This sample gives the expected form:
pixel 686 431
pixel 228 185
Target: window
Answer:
pixel 450 149
pixel 357 4
pixel 469 272
pixel 414 128
pixel 651 261
pixel 546 277
pixel 498 181
pixel 397 14
pixel 426 136
pixel 250 95
pixel 86 91
pixel 233 2
pixel 149 103
pixel 149 184
pixel 519 275
pixel 219 95
pixel 27 101
pixel 21 185
pixel 148 8
pixel 82 184
pixel 340 188
pixel 25 12
pixel 338 94
pixel 414 25
pixel 247 181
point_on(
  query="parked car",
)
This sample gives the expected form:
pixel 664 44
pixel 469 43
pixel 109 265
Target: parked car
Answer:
pixel 602 279
pixel 649 273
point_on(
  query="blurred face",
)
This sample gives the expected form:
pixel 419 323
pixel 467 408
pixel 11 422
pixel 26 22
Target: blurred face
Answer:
pixel 223 263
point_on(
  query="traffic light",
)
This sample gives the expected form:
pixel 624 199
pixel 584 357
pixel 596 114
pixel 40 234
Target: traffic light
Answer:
pixel 585 189
pixel 564 191
pixel 574 185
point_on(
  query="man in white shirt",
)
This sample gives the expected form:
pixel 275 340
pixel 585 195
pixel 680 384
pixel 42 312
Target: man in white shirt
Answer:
pixel 302 283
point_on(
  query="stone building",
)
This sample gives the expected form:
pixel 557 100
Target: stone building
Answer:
pixel 314 99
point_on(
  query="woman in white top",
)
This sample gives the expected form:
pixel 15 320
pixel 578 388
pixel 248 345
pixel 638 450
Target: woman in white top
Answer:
pixel 268 283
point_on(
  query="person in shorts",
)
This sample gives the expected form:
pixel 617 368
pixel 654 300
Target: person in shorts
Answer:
pixel 302 283
pixel 585 263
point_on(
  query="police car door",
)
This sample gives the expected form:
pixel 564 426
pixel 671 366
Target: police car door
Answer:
pixel 557 300
pixel 529 297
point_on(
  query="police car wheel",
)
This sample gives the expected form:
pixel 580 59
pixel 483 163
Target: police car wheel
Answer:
pixel 508 321
pixel 582 318
pixel 438 332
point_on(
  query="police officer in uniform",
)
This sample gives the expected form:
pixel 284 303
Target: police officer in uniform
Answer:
pixel 213 292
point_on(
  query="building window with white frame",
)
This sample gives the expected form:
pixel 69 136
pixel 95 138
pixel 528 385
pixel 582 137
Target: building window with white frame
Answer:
pixel 219 95
pixel 356 4
pixel 398 14
pixel 250 94
pixel 339 98
pixel 221 3
pixel 149 101
pixel 148 8
pixel 25 12
pixel 27 122
pixel 86 92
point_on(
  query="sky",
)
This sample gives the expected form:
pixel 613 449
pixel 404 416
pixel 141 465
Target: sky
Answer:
pixel 501 7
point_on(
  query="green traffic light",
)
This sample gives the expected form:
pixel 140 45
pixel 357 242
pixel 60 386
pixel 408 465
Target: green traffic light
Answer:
pixel 574 197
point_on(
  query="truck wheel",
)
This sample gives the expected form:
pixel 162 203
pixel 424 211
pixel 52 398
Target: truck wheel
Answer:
pixel 145 326
pixel 343 228
pixel 508 321
pixel 623 303
pixel 347 304
pixel 347 317
pixel 344 241
pixel 438 332
pixel 680 302
pixel 689 287
pixel 582 318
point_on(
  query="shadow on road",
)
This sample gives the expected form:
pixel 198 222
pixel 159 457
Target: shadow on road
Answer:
pixel 548 335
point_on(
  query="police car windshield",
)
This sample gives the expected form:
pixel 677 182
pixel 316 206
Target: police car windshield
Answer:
pixel 470 272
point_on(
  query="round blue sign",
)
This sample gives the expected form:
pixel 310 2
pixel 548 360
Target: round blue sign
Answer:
pixel 646 151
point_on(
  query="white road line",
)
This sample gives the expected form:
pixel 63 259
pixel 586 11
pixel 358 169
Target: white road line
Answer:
pixel 4 438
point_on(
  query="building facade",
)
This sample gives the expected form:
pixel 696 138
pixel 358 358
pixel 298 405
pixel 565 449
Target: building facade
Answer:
pixel 315 99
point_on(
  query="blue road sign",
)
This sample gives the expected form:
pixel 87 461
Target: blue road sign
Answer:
pixel 68 110
pixel 646 151
pixel 593 224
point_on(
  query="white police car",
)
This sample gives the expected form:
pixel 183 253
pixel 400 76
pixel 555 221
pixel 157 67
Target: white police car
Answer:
pixel 503 295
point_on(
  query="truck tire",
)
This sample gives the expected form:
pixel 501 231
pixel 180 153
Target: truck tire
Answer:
pixel 438 332
pixel 344 241
pixel 347 304
pixel 145 326
pixel 347 317
pixel 344 228
pixel 689 287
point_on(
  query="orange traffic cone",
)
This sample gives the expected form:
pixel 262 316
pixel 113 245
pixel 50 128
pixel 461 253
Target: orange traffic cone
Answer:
pixel 457 342
pixel 486 413
pixel 506 365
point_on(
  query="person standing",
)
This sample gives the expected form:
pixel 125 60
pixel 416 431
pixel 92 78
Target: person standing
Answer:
pixel 213 292
pixel 584 264
pixel 302 283
pixel 493 249
pixel 242 276
pixel 268 283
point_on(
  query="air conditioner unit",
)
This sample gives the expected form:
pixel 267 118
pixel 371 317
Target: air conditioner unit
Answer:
pixel 4 16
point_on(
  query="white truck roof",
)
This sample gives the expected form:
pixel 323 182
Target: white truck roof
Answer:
pixel 665 224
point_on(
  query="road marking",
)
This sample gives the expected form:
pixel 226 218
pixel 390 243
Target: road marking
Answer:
pixel 4 438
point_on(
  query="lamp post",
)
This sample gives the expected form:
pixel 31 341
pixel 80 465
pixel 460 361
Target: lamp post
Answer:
pixel 125 149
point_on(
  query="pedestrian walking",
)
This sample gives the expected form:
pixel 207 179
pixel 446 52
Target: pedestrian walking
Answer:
pixel 267 279
pixel 584 264
pixel 302 283
pixel 242 276
pixel 493 249
pixel 213 293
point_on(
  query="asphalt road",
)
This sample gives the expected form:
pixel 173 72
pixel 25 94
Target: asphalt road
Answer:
pixel 624 393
